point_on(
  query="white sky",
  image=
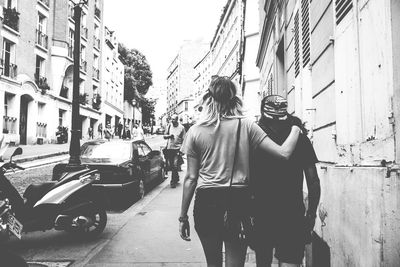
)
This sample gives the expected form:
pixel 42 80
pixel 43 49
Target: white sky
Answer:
pixel 157 28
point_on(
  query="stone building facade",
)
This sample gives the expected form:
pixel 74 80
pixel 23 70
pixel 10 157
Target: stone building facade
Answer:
pixel 112 81
pixel 227 43
pixel 36 68
pixel 180 84
pixel 337 62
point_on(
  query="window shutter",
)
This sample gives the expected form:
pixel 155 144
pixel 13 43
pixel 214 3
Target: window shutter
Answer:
pixel 305 22
pixel 269 90
pixel 342 8
pixel 296 45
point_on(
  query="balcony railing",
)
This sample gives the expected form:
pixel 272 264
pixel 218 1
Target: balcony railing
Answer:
pixel 45 2
pixel 84 32
pixel 96 42
pixel 83 66
pixel 96 73
pixel 9 125
pixel 97 12
pixel 96 101
pixel 41 82
pixel 11 18
pixel 9 70
pixel 42 39
pixel 41 129
pixel 83 99
pixel 70 51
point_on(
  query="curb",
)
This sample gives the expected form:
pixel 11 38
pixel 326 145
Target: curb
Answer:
pixel 22 160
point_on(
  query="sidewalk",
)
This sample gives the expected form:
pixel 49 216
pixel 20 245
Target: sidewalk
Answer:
pixel 150 237
pixel 34 152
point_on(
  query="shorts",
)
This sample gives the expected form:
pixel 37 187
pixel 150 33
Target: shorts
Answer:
pixel 209 208
pixel 286 236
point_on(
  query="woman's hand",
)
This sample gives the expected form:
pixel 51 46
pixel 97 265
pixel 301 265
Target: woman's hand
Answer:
pixel 184 230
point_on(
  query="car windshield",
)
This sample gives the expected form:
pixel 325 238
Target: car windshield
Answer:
pixel 109 150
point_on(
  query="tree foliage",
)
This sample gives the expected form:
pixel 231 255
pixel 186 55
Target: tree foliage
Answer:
pixel 137 76
pixel 148 106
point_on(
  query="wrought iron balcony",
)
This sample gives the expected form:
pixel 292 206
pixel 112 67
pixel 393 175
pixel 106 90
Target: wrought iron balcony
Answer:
pixel 41 82
pixel 11 18
pixel 42 39
pixel 9 70
pixel 96 101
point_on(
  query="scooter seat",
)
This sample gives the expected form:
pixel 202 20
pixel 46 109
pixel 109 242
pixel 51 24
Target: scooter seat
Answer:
pixel 34 192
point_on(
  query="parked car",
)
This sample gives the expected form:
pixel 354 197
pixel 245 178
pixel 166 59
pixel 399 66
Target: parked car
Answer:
pixel 160 130
pixel 128 168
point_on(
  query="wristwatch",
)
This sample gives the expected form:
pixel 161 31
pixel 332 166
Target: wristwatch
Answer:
pixel 183 218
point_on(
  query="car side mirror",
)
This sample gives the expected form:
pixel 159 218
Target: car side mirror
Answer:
pixel 17 151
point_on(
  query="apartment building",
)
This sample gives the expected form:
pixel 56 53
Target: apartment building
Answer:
pixel 180 84
pixel 202 81
pixel 112 81
pixel 36 68
pixel 337 62
pixel 227 43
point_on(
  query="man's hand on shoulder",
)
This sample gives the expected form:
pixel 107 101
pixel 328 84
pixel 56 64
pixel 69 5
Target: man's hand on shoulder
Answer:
pixel 296 121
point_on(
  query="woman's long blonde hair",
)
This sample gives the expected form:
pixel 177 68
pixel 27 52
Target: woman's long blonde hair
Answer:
pixel 220 101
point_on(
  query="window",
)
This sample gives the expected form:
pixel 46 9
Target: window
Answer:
pixel 186 106
pixel 5 105
pixel 60 117
pixel 40 67
pixel 8 59
pixel 143 150
pixel 71 43
pixel 41 24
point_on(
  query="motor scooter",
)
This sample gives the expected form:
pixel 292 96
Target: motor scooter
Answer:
pixel 71 204
pixel 7 258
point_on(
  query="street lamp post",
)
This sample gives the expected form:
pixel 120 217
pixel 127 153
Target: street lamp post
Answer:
pixel 75 147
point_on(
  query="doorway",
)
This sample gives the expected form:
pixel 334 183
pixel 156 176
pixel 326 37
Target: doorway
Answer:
pixel 23 119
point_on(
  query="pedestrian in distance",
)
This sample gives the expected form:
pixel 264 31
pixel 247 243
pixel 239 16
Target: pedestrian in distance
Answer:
pixel 100 130
pixel 108 132
pixel 119 129
pixel 127 133
pixel 281 222
pixel 218 148
pixel 90 132
pixel 175 134
pixel 137 132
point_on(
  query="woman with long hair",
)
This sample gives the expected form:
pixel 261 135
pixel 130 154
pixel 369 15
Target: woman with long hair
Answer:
pixel 211 152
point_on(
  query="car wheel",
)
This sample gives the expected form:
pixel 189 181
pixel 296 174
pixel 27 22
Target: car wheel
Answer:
pixel 141 189
pixel 162 175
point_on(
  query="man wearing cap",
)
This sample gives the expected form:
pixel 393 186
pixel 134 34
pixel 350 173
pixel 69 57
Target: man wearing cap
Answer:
pixel 281 220
pixel 175 134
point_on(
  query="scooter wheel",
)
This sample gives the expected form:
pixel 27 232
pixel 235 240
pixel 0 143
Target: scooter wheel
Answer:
pixel 97 226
